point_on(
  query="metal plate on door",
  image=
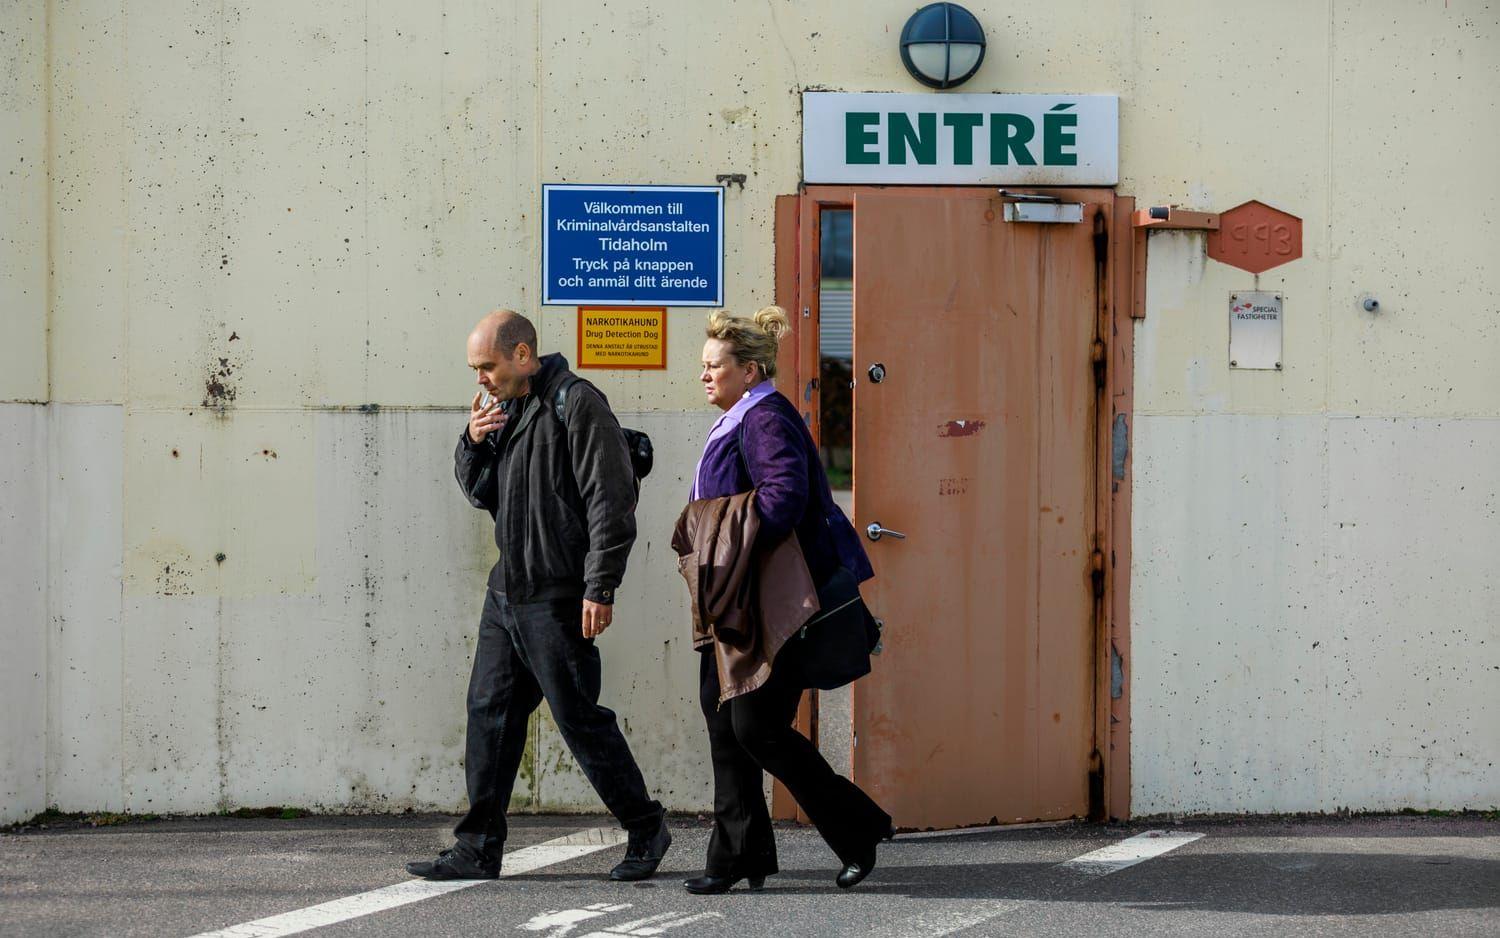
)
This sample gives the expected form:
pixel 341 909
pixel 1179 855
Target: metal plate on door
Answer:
pixel 1056 213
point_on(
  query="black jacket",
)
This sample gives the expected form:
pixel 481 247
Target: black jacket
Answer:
pixel 562 492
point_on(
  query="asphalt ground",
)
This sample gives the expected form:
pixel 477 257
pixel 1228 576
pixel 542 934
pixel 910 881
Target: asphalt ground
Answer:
pixel 184 877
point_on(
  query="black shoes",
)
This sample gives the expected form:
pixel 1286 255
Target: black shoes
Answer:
pixel 707 885
pixel 856 870
pixel 643 855
pixel 454 863
pixel 860 866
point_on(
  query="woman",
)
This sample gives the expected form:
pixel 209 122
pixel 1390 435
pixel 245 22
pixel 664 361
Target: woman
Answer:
pixel 761 444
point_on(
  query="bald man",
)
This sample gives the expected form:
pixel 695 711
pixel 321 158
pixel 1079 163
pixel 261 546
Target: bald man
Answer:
pixel 546 457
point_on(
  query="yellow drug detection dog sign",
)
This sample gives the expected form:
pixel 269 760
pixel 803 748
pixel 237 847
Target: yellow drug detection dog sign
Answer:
pixel 622 337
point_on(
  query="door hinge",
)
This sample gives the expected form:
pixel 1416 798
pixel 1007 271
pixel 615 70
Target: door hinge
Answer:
pixel 1100 359
pixel 1096 572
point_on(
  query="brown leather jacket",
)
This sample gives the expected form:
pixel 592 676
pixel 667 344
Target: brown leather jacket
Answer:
pixel 746 603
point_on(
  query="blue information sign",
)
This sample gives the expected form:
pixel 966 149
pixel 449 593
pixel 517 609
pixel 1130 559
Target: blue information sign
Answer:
pixel 632 245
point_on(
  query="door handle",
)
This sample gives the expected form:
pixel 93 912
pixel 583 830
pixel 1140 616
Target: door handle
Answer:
pixel 875 532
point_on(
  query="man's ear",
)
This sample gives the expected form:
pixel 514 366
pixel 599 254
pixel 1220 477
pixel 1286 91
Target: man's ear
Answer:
pixel 522 353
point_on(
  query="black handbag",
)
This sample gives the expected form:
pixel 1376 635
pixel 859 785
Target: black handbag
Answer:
pixel 833 647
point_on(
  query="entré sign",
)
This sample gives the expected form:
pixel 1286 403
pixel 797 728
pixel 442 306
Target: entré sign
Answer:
pixel 960 139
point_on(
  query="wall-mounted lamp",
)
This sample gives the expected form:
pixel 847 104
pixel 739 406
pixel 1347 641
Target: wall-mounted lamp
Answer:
pixel 942 45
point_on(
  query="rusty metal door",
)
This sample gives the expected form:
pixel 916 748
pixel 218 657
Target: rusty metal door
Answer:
pixel 977 444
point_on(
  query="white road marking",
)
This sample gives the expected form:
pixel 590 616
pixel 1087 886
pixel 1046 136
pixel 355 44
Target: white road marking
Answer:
pixel 525 860
pixel 653 925
pixel 948 916
pixel 562 921
pixel 1128 852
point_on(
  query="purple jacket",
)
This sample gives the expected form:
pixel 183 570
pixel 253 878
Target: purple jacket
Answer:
pixel 780 461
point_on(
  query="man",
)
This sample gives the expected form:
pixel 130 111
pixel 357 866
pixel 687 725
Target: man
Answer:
pixel 562 492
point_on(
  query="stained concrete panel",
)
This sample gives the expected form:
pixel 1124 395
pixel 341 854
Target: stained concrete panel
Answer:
pixel 173 671
pixel 1415 130
pixel 1414 527
pixel 454 119
pixel 85 489
pixel 23 201
pixel 1229 700
pixel 349 693
pixel 221 503
pixel 23 610
pixel 1313 614
pixel 90 221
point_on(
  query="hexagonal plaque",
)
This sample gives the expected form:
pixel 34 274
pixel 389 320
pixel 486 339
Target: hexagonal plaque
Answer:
pixel 1256 237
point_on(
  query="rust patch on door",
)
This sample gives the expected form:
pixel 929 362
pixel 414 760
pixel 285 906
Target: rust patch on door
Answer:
pixel 961 428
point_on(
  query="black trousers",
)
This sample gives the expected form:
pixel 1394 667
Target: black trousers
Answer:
pixel 527 653
pixel 751 733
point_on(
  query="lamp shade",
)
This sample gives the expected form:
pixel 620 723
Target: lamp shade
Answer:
pixel 942 45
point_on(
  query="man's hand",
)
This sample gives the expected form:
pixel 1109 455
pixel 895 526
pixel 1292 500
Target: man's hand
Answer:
pixel 484 420
pixel 596 618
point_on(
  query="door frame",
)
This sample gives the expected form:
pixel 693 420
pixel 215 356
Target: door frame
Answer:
pixel 798 263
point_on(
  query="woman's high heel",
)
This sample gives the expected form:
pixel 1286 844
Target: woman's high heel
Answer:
pixel 860 866
pixel 707 885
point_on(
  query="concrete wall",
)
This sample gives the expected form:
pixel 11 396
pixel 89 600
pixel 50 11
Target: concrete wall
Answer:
pixel 270 226
pixel 1315 621
pixel 23 610
pixel 23 421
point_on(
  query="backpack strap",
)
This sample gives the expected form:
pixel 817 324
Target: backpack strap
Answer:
pixel 560 399
pixel 637 444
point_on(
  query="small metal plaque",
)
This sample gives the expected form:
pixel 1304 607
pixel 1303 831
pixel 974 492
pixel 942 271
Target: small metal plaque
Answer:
pixel 1255 330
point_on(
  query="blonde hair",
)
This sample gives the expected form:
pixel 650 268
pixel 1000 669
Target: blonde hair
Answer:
pixel 752 339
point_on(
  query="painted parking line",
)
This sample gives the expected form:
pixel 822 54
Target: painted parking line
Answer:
pixel 1128 852
pixel 525 860
pixel 949 916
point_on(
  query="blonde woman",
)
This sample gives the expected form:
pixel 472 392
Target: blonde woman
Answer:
pixel 761 444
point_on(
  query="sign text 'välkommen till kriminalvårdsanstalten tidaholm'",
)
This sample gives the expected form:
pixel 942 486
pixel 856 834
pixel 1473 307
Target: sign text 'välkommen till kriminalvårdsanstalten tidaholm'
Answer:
pixel 632 245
